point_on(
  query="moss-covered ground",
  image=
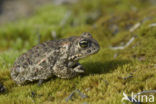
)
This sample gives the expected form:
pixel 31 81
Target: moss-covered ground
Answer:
pixel 107 72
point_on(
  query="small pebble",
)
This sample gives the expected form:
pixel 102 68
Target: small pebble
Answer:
pixel 33 94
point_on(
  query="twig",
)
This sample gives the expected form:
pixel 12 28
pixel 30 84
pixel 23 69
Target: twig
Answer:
pixel 137 25
pixel 133 28
pixel 125 78
pixel 145 92
pixel 128 77
pixel 152 25
pixel 76 91
pixel 64 20
pixel 122 47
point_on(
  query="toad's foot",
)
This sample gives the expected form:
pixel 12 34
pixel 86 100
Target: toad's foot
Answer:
pixel 78 68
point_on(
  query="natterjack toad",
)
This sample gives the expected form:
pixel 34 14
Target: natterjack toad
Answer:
pixel 54 58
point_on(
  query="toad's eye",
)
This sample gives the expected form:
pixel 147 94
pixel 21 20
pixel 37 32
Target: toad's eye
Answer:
pixel 83 43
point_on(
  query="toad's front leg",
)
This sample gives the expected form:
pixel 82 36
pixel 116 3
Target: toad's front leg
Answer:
pixel 63 71
pixel 77 67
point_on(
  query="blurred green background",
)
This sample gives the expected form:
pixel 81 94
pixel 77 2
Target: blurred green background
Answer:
pixel 113 23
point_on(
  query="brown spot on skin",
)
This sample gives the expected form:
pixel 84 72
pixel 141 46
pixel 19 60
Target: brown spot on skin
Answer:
pixel 41 61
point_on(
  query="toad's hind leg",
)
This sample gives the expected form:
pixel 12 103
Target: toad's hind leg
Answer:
pixel 16 76
pixel 20 80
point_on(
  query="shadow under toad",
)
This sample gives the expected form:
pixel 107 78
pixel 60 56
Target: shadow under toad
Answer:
pixel 103 67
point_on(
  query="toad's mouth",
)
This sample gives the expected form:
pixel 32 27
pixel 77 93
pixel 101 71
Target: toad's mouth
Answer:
pixel 77 67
